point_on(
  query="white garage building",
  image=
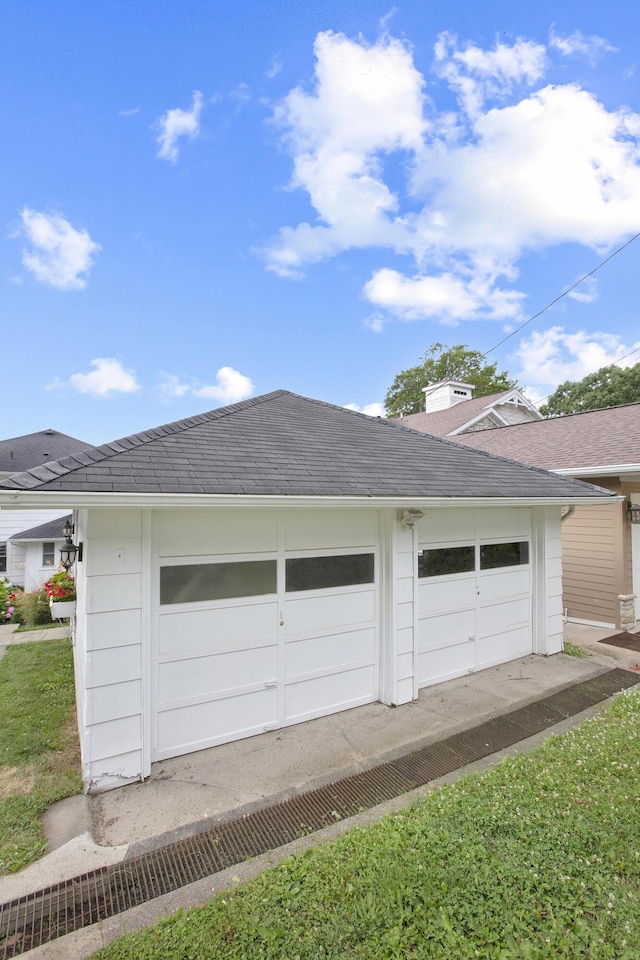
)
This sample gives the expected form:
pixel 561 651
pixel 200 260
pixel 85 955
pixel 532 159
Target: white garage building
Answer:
pixel 282 559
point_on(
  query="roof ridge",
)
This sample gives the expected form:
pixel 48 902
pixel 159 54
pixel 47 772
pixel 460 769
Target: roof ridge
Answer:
pixel 105 451
pixel 495 456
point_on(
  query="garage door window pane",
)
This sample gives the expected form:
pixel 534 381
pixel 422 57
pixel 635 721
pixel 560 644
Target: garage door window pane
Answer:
pixel 447 560
pixel 193 583
pixel 318 573
pixel 494 555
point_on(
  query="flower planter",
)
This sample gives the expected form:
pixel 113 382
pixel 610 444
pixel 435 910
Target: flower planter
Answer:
pixel 62 609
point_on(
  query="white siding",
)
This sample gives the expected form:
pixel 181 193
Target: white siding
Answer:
pixel 16 521
pixel 109 647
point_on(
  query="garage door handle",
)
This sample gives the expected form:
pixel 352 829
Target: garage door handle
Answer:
pixel 271 683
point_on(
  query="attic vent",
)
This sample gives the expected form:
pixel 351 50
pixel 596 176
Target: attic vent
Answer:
pixel 461 393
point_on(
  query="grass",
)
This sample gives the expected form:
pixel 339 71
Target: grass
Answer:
pixel 538 859
pixel 574 651
pixel 39 750
pixel 40 626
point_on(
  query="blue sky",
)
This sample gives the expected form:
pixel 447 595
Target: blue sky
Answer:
pixel 206 201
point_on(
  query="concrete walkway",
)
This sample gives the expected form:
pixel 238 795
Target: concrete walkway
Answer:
pixel 187 794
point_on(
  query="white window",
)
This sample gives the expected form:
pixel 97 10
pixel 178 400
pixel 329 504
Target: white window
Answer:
pixel 48 554
pixel 3 558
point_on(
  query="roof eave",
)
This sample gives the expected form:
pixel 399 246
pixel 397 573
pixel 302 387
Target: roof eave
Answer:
pixel 604 470
pixel 19 499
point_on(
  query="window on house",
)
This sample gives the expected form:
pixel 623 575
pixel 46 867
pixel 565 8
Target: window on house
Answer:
pixel 193 583
pixel 48 554
pixel 318 573
pixel 3 558
pixel 513 554
pixel 446 560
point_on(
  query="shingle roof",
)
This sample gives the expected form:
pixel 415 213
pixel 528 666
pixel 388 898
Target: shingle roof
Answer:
pixel 440 423
pixel 283 444
pixel 23 453
pixel 51 530
pixel 581 440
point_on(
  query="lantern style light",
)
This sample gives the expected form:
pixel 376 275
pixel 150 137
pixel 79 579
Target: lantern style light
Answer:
pixel 69 552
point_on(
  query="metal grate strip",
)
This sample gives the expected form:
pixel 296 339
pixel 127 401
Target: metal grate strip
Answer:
pixel 71 905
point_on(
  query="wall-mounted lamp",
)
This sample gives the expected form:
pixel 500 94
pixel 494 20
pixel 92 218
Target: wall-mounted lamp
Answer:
pixel 410 517
pixel 69 552
pixel 633 509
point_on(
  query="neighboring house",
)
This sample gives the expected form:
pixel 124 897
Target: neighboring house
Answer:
pixel 451 409
pixel 16 455
pixel 601 547
pixel 282 559
pixel 41 551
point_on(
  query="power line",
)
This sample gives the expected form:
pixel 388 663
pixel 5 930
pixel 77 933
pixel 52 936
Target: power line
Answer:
pixel 548 307
pixel 612 364
pixel 561 295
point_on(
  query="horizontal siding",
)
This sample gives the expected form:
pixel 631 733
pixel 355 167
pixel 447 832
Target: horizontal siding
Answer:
pixel 589 564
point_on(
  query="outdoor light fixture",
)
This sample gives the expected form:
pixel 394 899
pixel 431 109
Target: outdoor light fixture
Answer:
pixel 409 517
pixel 69 552
pixel 633 509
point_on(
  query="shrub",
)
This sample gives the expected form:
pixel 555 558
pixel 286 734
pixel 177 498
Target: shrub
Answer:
pixel 7 600
pixel 32 609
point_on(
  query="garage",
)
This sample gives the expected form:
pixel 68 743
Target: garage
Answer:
pixel 281 559
pixel 283 631
pixel 474 592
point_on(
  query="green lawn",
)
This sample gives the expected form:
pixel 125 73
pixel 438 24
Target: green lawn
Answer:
pixel 539 858
pixel 39 751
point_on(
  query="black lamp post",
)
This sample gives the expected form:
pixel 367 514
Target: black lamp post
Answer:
pixel 69 552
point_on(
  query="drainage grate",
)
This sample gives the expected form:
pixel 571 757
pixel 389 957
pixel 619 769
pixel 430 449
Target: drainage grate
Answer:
pixel 628 641
pixel 60 909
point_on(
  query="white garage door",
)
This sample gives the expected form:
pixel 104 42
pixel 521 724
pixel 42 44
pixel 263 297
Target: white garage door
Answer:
pixel 248 642
pixel 474 595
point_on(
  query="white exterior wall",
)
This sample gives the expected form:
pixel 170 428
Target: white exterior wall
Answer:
pixel 109 647
pixel 35 574
pixel 547 581
pixel 16 521
pixel 117 602
pixel 403 608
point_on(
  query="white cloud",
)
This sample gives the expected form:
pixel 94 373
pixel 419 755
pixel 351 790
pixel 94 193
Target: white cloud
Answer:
pixel 108 377
pixel 60 256
pixel 230 387
pixel 445 297
pixel 367 100
pixel 549 357
pixel 275 67
pixel 241 95
pixel 591 47
pixel 171 387
pixel 129 113
pixel 371 409
pixel 475 74
pixel 513 170
pixel 178 123
pixel 586 292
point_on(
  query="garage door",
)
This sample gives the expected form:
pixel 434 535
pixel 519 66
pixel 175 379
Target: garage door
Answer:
pixel 474 599
pixel 255 641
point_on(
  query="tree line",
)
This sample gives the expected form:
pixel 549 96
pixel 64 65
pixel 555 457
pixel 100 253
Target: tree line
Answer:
pixel 609 387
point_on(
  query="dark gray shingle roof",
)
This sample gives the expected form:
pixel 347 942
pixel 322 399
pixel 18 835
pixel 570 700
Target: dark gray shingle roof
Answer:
pixel 51 530
pixel 23 453
pixel 283 444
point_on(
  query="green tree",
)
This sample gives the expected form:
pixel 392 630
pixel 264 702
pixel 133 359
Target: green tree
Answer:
pixel 608 387
pixel 405 395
